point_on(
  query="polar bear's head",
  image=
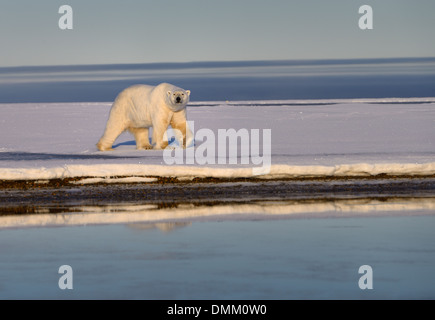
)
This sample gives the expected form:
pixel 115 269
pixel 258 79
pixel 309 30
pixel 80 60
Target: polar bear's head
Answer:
pixel 178 98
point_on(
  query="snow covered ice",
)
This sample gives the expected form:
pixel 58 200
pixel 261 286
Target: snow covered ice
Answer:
pixel 329 138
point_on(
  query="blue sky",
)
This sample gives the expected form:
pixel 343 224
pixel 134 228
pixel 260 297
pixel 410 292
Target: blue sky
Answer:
pixel 107 31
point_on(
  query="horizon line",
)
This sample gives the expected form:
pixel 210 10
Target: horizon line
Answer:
pixel 215 63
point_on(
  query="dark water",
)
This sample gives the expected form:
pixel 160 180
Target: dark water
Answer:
pixel 245 80
pixel 280 259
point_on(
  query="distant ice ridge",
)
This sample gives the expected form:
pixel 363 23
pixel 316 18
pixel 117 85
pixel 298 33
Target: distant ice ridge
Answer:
pixel 316 101
pixel 190 172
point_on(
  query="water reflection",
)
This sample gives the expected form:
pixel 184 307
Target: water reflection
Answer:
pixel 168 218
pixel 164 226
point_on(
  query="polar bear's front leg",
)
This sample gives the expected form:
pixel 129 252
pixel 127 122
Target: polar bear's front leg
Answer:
pixel 159 129
pixel 180 132
pixel 179 124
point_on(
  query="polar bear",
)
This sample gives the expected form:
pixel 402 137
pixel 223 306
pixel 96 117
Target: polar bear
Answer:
pixel 139 107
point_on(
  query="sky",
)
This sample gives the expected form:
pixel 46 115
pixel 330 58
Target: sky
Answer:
pixel 107 31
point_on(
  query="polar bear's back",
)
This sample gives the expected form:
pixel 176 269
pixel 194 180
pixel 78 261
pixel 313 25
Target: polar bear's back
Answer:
pixel 147 91
pixel 135 104
pixel 138 90
pixel 142 96
pixel 133 97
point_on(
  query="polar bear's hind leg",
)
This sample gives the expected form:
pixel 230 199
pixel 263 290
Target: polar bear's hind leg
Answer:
pixel 141 136
pixel 110 134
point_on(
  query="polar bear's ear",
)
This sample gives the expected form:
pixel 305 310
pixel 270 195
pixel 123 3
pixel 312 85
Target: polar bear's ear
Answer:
pixel 188 92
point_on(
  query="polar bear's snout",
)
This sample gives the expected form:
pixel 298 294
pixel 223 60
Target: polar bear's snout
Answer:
pixel 179 97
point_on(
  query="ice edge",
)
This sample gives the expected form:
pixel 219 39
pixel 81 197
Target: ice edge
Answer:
pixel 183 172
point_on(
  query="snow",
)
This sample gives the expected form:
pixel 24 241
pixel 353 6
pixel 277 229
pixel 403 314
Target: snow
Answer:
pixel 309 138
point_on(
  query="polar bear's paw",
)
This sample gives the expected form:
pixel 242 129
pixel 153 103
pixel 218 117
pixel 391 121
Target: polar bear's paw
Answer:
pixel 103 147
pixel 161 146
pixel 144 147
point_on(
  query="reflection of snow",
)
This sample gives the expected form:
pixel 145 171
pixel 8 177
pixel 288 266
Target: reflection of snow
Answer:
pixel 164 227
pixel 150 214
pixel 115 180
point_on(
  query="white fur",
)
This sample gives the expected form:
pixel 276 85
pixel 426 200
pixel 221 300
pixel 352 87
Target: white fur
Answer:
pixel 140 107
